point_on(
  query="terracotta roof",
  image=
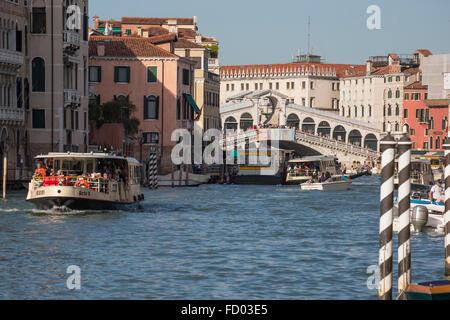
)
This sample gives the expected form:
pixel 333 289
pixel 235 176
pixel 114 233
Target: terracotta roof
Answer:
pixel 186 33
pixel 341 69
pixel 156 31
pixel 163 38
pixel 416 86
pixel 437 102
pixel 127 47
pixel 156 21
pixel 115 23
pixel 425 52
pixel 183 43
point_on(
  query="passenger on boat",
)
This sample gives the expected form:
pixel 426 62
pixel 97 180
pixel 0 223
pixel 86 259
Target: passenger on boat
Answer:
pixel 40 171
pixel 437 192
pixel 322 178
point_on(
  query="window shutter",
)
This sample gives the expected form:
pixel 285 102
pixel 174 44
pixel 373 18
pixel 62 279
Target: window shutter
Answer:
pixel 128 74
pixel 145 108
pixel 99 74
pixel 116 74
pixel 157 108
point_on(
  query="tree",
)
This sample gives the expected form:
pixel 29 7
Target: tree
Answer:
pixel 214 50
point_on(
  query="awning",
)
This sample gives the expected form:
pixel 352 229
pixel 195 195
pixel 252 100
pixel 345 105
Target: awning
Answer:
pixel 192 102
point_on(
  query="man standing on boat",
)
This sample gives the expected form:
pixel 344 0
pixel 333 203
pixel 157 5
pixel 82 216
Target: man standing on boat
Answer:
pixel 436 192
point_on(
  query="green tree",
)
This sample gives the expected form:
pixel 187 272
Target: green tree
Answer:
pixel 214 50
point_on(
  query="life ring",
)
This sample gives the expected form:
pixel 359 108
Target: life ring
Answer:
pixel 81 182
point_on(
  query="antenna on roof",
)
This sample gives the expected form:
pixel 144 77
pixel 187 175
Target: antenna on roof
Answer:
pixel 309 34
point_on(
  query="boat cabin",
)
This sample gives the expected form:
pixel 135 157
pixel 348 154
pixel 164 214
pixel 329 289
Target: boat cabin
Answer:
pixel 303 169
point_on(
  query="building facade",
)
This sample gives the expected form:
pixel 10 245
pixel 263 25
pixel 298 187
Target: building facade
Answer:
pixel 59 71
pixel 375 95
pixel 158 82
pixel 312 84
pixel 14 143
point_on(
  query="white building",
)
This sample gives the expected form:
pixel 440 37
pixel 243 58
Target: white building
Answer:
pixel 307 82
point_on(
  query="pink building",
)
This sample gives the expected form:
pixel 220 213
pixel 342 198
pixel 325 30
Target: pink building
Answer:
pixel 155 80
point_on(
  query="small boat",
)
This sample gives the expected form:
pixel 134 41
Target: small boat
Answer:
pixel 181 179
pixel 435 218
pixel 76 188
pixel 301 169
pixel 335 183
pixel 432 290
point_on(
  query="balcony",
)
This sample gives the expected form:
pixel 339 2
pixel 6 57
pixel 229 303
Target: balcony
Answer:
pixel 11 58
pixel 71 40
pixel 11 115
pixel 72 98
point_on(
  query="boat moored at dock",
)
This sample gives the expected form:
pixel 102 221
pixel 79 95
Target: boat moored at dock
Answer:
pixel 85 181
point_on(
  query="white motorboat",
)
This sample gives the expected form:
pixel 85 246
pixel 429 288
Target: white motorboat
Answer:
pixel 435 221
pixel 78 184
pixel 335 183
pixel 181 179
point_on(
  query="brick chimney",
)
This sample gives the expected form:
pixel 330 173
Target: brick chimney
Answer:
pixel 369 67
pixel 100 49
pixel 96 22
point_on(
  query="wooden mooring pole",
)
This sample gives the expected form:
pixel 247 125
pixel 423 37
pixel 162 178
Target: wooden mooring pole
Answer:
pixel 387 146
pixel 446 147
pixel 404 205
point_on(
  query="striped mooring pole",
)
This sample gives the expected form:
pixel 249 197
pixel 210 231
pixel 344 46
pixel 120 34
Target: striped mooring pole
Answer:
pixel 404 205
pixel 387 148
pixel 446 147
pixel 153 171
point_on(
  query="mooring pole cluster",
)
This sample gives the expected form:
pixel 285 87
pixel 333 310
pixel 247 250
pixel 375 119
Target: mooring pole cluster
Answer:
pixel 446 147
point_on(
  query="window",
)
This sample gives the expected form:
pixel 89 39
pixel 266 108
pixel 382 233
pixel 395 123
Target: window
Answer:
pixel 362 111
pixel 228 87
pixel 312 84
pixel 412 132
pixel 406 96
pixel 151 137
pixel 247 86
pixel 277 85
pixel 425 145
pixel 76 120
pixel 389 110
pixel 122 74
pixel 38 20
pixel 397 93
pixel 152 74
pixel 292 85
pixel 370 110
pixel 19 92
pixel 151 108
pixel 186 77
pixel 390 79
pixel 389 94
pixel 438 142
pixel 444 123
pixel 303 84
pixel 95 74
pixel 38 75
pixel 178 109
pixel 356 111
pixel 18 40
pixel 128 32
pixel 38 119
pixel 256 86
pixel 26 94
pixel 405 113
pixel 242 87
pixel 397 78
pixel 287 85
pixel 270 85
pixel 397 110
pixel 232 87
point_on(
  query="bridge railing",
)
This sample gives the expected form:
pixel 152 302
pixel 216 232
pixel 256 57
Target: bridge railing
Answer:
pixel 336 144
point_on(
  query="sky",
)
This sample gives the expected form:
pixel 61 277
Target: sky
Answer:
pixel 271 31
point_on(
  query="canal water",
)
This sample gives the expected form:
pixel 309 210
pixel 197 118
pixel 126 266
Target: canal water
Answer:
pixel 210 242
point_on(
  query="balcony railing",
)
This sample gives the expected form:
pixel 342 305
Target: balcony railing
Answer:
pixel 11 57
pixel 12 115
pixel 71 40
pixel 72 98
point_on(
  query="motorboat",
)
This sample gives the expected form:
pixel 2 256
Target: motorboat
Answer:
pixel 78 184
pixel 182 179
pixel 334 183
pixel 302 169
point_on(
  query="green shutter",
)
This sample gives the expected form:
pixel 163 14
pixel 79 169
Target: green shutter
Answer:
pixel 152 74
pixel 99 69
pixel 116 74
pixel 128 74
pixel 157 108
pixel 145 108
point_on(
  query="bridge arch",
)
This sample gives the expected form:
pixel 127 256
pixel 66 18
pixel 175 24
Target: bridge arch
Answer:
pixel 355 137
pixel 339 133
pixel 371 141
pixel 293 121
pixel 308 125
pixel 324 129
pixel 230 124
pixel 246 121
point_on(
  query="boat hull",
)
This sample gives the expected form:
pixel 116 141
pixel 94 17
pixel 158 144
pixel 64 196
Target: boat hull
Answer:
pixel 327 186
pixel 433 290
pixel 257 180
pixel 80 204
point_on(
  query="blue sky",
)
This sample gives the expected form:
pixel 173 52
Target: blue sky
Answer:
pixel 270 31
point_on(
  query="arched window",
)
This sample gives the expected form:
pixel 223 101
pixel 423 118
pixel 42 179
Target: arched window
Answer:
pixel 293 121
pixel 349 111
pixel 397 110
pixel 396 127
pixel 151 107
pixel 356 111
pixel 246 121
pixel 431 142
pixel 389 110
pixel 389 94
pixel 38 75
pixel 362 111
pixel 438 142
pixel 370 110
pixel 230 124
pixel 397 93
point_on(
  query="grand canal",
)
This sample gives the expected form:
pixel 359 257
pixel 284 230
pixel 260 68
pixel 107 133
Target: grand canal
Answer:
pixel 210 242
